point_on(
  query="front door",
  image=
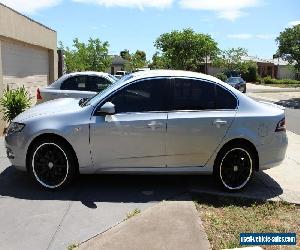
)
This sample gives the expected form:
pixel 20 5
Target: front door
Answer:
pixel 200 116
pixel 136 135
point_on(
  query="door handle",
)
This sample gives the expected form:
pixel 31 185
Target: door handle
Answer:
pixel 66 94
pixel 153 125
pixel 218 123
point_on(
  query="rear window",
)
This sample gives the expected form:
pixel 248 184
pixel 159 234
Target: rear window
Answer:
pixel 75 83
pixel 224 99
pixel 191 94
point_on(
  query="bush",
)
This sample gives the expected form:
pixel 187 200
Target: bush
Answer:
pixel 221 76
pixel 251 74
pixel 14 102
pixel 269 80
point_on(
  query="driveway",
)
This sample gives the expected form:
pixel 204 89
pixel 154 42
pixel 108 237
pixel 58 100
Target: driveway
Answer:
pixel 32 218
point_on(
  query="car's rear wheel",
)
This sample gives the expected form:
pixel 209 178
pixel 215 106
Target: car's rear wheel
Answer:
pixel 52 163
pixel 234 166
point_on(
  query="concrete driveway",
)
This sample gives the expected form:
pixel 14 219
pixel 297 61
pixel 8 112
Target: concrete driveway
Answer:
pixel 32 218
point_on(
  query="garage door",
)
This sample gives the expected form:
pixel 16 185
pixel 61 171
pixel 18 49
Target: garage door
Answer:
pixel 24 65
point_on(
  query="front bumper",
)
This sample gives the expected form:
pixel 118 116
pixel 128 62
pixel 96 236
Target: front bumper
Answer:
pixel 16 150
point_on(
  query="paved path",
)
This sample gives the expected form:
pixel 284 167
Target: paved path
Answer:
pixel 170 225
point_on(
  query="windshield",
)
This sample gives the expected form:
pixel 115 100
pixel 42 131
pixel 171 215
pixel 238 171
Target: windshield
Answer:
pixel 97 98
pixel 233 80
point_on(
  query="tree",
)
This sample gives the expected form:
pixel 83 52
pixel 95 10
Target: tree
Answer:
pixel 185 49
pixel 137 60
pixel 159 62
pixel 125 54
pixel 231 61
pixel 289 45
pixel 92 56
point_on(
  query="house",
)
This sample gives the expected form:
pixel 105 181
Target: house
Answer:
pixel 118 64
pixel 275 68
pixel 28 54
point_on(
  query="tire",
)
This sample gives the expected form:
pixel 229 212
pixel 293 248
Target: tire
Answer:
pixel 234 166
pixel 52 163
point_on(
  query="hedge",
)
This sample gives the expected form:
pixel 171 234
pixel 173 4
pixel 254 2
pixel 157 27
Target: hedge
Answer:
pixel 269 80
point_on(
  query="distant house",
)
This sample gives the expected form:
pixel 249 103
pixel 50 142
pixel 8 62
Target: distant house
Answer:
pixel 28 54
pixel 118 63
pixel 275 68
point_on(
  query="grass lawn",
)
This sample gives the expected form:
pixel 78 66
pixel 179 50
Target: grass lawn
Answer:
pixel 225 218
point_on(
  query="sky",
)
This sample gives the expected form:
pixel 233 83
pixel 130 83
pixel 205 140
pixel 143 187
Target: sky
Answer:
pixel 136 24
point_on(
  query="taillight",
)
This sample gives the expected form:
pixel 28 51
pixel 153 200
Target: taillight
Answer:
pixel 281 126
pixel 38 94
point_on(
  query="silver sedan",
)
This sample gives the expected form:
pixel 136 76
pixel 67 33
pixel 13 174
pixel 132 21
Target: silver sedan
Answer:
pixel 171 122
pixel 76 85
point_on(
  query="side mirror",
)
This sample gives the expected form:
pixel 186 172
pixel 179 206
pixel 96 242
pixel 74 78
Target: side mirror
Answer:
pixel 107 108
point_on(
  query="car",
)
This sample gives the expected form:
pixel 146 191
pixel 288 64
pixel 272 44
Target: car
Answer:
pixel 120 74
pixel 75 85
pixel 140 69
pixel 238 83
pixel 157 122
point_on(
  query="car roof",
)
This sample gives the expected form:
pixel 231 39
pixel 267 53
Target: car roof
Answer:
pixel 87 73
pixel 173 73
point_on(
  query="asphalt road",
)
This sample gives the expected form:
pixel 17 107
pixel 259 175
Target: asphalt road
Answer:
pixel 292 117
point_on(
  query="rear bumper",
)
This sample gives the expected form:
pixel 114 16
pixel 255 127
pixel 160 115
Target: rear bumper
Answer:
pixel 272 154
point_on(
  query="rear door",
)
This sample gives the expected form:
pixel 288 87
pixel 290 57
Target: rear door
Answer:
pixel 201 113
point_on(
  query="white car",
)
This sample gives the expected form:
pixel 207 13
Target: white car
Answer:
pixel 119 74
pixel 75 85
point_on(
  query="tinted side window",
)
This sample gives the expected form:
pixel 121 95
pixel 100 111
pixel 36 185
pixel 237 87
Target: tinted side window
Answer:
pixel 97 83
pixel 224 99
pixel 143 96
pixel 190 94
pixel 74 83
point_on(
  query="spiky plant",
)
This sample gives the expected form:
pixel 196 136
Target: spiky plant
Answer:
pixel 13 102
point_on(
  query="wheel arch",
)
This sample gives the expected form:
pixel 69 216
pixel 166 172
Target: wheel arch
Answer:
pixel 50 136
pixel 245 142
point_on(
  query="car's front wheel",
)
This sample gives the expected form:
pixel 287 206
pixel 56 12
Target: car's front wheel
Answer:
pixel 52 163
pixel 234 166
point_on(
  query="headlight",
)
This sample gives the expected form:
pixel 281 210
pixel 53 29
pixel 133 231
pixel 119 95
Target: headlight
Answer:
pixel 14 127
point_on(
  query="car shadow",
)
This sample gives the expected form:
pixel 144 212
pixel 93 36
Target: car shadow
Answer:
pixel 90 189
pixel 293 103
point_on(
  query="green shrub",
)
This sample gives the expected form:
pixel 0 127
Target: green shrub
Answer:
pixel 13 102
pixel 251 74
pixel 221 76
pixel 269 80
